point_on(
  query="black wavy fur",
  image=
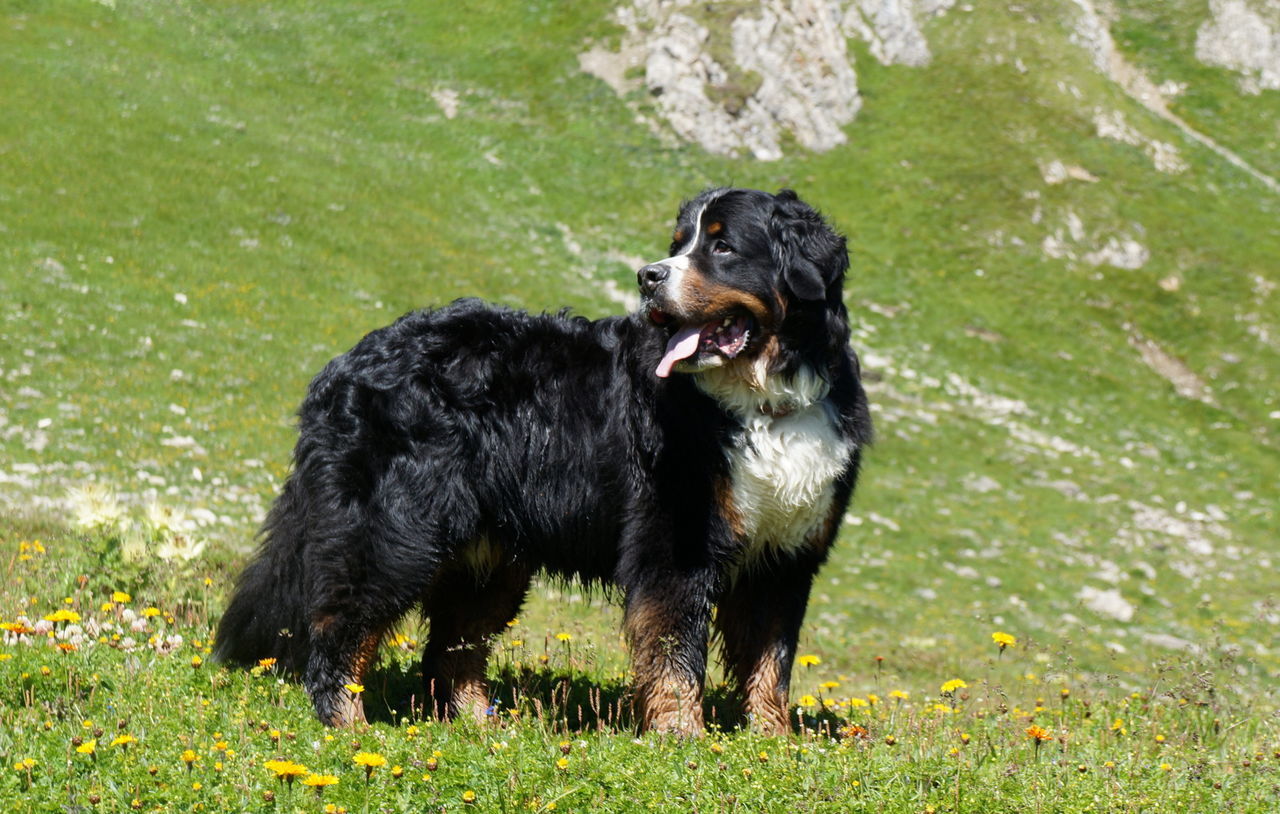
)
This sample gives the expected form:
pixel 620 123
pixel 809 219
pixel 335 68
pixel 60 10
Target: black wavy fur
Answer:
pixel 446 459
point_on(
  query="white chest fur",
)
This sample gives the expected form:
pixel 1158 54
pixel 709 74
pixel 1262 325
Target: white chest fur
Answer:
pixel 784 467
pixel 783 474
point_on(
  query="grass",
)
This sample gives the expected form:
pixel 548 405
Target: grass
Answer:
pixel 203 204
pixel 115 708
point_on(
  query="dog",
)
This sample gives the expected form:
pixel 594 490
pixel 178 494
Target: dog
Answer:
pixel 697 454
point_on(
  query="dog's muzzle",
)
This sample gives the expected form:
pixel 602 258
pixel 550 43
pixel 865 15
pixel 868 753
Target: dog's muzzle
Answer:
pixel 651 278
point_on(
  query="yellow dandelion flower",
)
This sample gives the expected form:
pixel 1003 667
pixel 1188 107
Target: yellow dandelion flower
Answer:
pixel 858 702
pixel 1003 640
pixel 88 747
pixel 319 781
pixel 807 701
pixel 829 685
pixel 120 597
pixel 370 761
pixel 468 796
pixel 899 695
pixel 808 660
pixel 563 637
pixel 189 757
pixel 196 661
pixel 150 612
pixel 123 740
pixel 266 664
pixel 953 685
pixel 1165 767
pixel 1038 733
pixel 62 615
pixel 285 769
pixel 562 764
pixel 355 688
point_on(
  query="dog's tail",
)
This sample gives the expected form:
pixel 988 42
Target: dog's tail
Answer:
pixel 267 615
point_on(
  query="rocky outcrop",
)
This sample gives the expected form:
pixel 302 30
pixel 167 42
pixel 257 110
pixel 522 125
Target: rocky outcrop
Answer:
pixel 1244 37
pixel 742 77
pixel 891 28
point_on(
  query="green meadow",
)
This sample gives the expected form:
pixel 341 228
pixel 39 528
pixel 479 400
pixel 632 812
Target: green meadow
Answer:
pixel 202 203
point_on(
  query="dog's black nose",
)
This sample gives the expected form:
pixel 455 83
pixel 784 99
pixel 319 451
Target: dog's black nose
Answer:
pixel 652 276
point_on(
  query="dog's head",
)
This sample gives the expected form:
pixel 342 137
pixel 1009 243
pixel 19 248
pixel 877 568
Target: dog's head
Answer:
pixel 752 279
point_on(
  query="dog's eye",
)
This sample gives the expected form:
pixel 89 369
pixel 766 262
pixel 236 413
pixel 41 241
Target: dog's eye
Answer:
pixel 721 247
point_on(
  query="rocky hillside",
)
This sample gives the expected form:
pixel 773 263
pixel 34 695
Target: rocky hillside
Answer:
pixel 1063 216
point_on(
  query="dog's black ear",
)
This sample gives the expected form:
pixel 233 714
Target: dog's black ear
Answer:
pixel 810 254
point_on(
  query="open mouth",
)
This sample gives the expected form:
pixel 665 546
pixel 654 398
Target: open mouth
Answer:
pixel 725 338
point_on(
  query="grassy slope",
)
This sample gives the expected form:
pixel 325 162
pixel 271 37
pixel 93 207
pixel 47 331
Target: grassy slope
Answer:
pixel 285 168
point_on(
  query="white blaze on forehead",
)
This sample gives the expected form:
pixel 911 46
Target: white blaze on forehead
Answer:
pixel 679 263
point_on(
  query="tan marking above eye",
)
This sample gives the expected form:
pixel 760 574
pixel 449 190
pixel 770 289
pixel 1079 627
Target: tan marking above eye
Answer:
pixel 679 236
pixel 714 229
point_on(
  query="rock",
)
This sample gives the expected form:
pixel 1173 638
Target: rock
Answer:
pixel 1106 603
pixel 741 77
pixel 1243 37
pixel 892 28
pixel 1163 155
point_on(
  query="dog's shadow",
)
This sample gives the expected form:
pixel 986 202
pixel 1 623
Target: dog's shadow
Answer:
pixel 568 701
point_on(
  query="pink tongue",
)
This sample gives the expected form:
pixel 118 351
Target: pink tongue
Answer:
pixel 680 346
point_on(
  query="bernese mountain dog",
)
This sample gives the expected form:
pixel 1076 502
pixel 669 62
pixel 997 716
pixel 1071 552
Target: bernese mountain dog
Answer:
pixel 697 454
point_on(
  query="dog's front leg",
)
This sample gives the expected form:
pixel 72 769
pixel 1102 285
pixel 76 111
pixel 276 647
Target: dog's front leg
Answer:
pixel 758 620
pixel 667 622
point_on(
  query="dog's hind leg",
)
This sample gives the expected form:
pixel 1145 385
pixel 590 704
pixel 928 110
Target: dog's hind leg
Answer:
pixel 467 606
pixel 342 650
pixel 358 590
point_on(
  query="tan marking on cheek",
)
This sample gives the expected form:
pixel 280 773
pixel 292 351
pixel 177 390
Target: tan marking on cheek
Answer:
pixel 703 298
pixel 679 236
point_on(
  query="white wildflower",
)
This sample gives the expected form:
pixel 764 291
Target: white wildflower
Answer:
pixel 180 547
pixel 94 506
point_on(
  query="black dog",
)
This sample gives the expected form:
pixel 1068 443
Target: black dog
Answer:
pixel 698 453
